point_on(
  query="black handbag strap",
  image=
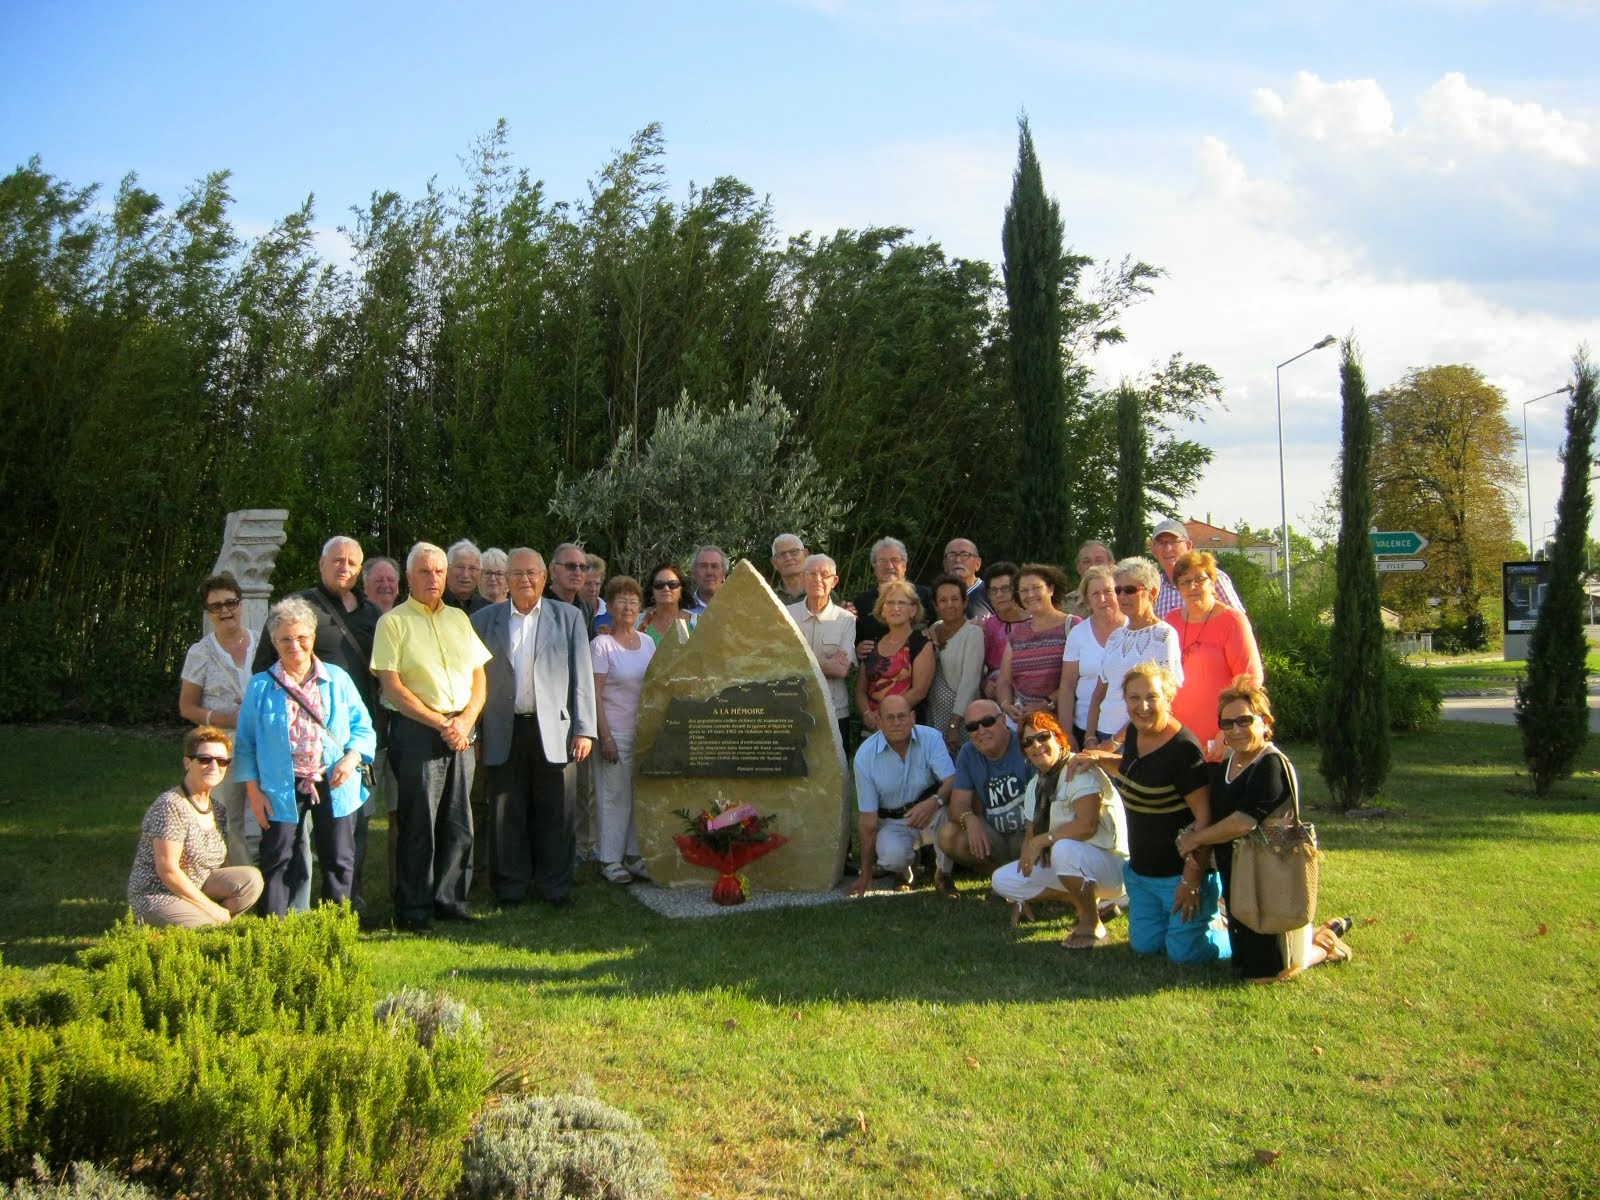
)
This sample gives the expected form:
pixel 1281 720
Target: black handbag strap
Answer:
pixel 336 614
pixel 294 694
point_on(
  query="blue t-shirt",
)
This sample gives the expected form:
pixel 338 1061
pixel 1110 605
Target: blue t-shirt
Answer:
pixel 996 785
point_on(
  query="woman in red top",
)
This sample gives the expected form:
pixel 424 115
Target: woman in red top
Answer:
pixel 902 662
pixel 1216 643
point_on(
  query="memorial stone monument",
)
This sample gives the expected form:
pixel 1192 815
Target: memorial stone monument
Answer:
pixel 740 710
pixel 251 540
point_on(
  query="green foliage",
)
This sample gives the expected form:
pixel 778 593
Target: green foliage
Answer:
pixel 85 1182
pixel 1445 463
pixel 1130 532
pixel 1036 273
pixel 1355 717
pixel 486 332
pixel 731 477
pixel 570 1145
pixel 300 976
pixel 1553 702
pixel 241 1061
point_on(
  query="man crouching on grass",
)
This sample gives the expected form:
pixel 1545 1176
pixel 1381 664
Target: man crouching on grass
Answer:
pixel 903 780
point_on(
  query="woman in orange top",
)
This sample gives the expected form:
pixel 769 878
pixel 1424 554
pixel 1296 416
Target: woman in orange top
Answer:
pixel 1216 644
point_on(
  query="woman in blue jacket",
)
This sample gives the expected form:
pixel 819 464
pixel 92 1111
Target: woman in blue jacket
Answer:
pixel 303 734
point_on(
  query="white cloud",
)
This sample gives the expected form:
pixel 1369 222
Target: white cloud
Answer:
pixel 1260 268
pixel 1352 113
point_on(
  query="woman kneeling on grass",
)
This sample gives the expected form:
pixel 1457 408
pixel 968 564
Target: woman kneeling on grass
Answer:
pixel 1254 783
pixel 1161 773
pixel 1079 855
pixel 176 878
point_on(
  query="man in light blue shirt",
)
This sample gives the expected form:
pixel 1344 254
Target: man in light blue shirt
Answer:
pixel 903 779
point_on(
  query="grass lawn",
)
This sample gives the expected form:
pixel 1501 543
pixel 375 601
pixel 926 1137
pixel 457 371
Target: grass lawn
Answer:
pixel 912 1047
pixel 1473 675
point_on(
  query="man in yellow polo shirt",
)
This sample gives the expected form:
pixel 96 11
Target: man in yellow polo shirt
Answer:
pixel 430 664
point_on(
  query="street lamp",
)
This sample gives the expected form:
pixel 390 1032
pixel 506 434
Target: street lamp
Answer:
pixel 1283 494
pixel 1527 475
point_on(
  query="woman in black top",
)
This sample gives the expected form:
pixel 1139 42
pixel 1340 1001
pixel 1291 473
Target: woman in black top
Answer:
pixel 1254 782
pixel 1161 773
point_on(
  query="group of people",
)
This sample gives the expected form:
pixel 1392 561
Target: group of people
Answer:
pixel 974 696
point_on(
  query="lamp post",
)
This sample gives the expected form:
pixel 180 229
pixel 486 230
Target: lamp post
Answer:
pixel 1283 494
pixel 1527 476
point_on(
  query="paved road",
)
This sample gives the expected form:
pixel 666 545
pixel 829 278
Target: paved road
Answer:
pixel 1500 710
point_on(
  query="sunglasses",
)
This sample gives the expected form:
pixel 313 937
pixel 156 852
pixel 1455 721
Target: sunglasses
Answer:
pixel 666 585
pixel 1127 589
pixel 1036 739
pixel 206 760
pixel 222 606
pixel 982 723
pixel 1243 722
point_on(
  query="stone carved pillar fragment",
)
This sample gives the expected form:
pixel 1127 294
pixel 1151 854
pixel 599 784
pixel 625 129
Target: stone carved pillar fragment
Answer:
pixel 251 540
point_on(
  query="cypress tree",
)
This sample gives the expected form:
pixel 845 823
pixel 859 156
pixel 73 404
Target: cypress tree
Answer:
pixel 1355 707
pixel 1553 701
pixel 1130 535
pixel 1034 270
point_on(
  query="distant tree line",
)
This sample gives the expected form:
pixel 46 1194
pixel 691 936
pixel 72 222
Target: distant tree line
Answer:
pixel 484 346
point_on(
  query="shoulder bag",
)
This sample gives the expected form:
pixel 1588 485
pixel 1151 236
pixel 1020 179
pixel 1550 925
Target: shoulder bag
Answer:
pixel 1275 868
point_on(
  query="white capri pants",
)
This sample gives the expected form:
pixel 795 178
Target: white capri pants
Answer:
pixel 617 837
pixel 1067 860
pixel 898 842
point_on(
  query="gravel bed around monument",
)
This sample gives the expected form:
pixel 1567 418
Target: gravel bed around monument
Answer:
pixel 694 902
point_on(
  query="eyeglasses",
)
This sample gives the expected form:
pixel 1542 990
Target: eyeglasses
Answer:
pixel 666 585
pixel 982 723
pixel 1243 722
pixel 820 575
pixel 1036 739
pixel 792 552
pixel 949 554
pixel 1000 589
pixel 218 607
pixel 1127 589
pixel 494 574
pixel 207 760
pixel 1193 581
pixel 574 566
pixel 525 575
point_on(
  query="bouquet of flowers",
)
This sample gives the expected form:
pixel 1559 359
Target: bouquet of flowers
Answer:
pixel 726 838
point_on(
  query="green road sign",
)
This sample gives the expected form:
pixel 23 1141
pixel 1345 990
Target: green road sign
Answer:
pixel 1402 542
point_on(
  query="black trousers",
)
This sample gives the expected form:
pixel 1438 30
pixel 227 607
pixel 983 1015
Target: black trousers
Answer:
pixel 335 839
pixel 433 821
pixel 532 820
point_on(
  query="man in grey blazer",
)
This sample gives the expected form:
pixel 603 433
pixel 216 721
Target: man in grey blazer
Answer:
pixel 538 720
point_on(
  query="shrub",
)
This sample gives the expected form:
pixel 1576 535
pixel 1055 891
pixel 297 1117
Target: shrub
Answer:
pixel 1296 654
pixel 88 1182
pixel 1414 696
pixel 298 974
pixel 241 1061
pixel 549 1148
pixel 33 654
pixel 430 1015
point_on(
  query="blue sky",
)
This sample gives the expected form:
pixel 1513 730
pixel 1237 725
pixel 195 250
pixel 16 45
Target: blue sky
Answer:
pixel 1425 175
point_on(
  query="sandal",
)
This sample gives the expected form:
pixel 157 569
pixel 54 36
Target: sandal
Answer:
pixel 1084 939
pixel 615 872
pixel 1020 911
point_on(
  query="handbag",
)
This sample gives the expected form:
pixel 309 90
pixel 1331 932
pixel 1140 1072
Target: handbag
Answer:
pixel 1275 868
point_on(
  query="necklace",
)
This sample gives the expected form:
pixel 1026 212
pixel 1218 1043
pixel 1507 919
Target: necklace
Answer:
pixel 1239 761
pixel 194 804
pixel 1188 643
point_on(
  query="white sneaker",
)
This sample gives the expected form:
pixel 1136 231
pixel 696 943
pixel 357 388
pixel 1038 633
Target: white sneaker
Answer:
pixel 635 867
pixel 616 872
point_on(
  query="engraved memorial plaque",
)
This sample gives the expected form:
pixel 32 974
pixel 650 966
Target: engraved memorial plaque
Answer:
pixel 750 729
